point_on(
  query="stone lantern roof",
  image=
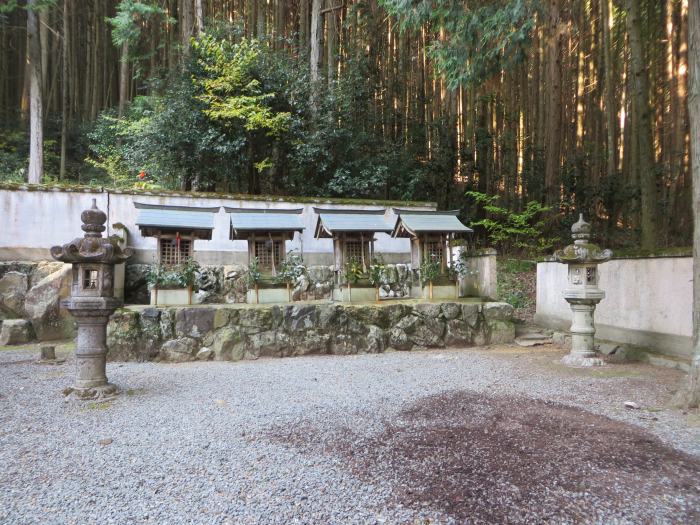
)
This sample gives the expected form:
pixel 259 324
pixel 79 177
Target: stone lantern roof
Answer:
pixel 92 247
pixel 582 251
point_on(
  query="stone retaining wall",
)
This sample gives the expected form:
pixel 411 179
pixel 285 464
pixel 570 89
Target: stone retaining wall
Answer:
pixel 234 332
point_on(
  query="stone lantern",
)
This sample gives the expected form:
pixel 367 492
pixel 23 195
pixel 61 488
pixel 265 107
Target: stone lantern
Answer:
pixel 92 301
pixel 582 292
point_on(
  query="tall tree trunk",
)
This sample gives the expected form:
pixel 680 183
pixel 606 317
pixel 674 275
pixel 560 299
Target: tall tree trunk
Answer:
pixel 554 103
pixel 260 19
pixel 36 131
pixel 642 129
pixel 123 78
pixel 44 39
pixel 331 39
pixel 303 27
pixel 689 395
pixel 186 27
pixel 280 23
pixel 315 58
pixel 610 106
pixel 64 87
pixel 198 17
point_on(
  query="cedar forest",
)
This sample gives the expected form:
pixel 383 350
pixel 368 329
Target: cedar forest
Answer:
pixel 519 113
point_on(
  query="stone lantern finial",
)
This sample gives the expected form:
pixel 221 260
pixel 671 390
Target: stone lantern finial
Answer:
pixel 92 300
pixel 582 258
pixel 93 220
pixel 581 230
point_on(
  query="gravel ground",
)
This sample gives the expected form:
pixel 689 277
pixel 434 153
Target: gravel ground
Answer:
pixel 445 436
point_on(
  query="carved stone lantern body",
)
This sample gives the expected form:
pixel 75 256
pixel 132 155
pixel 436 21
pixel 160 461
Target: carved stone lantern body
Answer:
pixel 582 292
pixel 92 301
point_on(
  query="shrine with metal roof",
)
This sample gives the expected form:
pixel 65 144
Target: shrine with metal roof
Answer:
pixel 353 233
pixel 176 228
pixel 430 232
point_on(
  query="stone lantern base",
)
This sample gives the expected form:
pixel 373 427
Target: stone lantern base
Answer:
pixel 582 334
pixel 91 316
pixel 97 393
pixel 576 360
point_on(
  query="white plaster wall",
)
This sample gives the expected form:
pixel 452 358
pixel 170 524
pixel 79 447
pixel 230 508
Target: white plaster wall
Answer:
pixel 41 219
pixel 648 301
pixel 33 221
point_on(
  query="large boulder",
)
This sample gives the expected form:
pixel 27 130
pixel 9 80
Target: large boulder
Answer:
pixel 309 342
pixel 301 286
pixel 390 275
pixel 457 333
pixel 208 278
pixel 15 332
pixel 13 288
pixel 228 345
pixel 402 273
pixel 451 310
pixel 180 350
pixel 43 269
pixel 320 274
pixel 498 312
pixel 124 337
pixel 16 266
pixel 42 306
pixel 151 330
pixel 234 285
pixel 194 322
pixel 500 332
pixel 271 343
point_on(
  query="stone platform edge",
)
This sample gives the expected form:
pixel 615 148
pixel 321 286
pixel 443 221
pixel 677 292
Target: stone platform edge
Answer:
pixel 234 332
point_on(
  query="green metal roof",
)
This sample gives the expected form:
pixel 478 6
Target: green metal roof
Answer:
pixel 270 220
pixel 173 217
pixel 335 221
pixel 413 223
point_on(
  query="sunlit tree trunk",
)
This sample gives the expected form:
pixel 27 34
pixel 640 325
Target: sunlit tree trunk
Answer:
pixel 610 106
pixel 123 78
pixel 689 395
pixel 64 87
pixel 36 130
pixel 554 103
pixel 198 17
pixel 315 58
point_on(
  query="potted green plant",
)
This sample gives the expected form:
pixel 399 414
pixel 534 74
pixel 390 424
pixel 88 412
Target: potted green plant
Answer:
pixel 458 269
pixel 254 277
pixel 376 274
pixel 172 284
pixel 289 271
pixel 429 272
pixel 353 273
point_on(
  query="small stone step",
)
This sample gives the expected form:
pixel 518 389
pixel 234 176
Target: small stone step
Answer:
pixel 16 332
pixel 668 362
pixel 533 339
pixel 522 329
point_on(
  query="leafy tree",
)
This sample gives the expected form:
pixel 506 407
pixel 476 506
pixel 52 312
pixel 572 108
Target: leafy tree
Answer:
pixel 235 96
pixel 509 230
pixel 481 37
pixel 126 24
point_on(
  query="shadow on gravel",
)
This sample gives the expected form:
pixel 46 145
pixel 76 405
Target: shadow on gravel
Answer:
pixel 484 459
